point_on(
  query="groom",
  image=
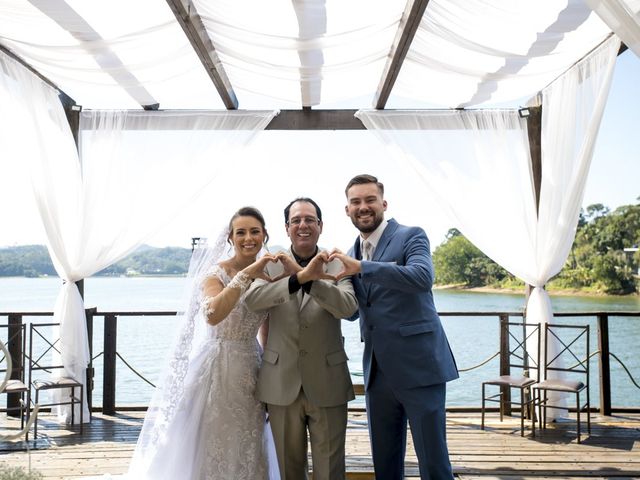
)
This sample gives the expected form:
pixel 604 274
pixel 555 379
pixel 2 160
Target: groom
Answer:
pixel 304 379
pixel 407 359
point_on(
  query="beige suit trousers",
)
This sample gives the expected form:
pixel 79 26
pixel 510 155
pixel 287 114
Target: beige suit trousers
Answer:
pixel 327 429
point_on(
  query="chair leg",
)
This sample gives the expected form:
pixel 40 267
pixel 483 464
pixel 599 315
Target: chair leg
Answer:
pixel 532 409
pixel 22 411
pixel 578 414
pixel 81 409
pixel 35 424
pixel 588 412
pixel 522 413
pixel 482 409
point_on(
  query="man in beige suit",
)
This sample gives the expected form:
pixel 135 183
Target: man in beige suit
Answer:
pixel 304 379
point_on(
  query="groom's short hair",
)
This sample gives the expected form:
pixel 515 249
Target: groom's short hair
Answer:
pixel 362 180
pixel 302 199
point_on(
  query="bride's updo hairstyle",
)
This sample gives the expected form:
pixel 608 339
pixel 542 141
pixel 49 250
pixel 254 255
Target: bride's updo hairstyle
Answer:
pixel 248 212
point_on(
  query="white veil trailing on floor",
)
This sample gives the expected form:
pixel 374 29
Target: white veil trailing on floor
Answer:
pixel 169 437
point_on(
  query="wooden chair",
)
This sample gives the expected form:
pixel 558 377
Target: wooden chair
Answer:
pixel 41 348
pixel 524 372
pixel 573 360
pixel 16 388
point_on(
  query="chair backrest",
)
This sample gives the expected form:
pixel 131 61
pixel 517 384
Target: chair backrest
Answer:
pixel 15 339
pixel 567 349
pixel 524 348
pixel 44 350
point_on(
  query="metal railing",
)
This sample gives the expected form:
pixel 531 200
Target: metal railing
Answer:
pixel 110 353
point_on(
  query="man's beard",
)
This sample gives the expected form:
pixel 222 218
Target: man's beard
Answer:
pixel 377 220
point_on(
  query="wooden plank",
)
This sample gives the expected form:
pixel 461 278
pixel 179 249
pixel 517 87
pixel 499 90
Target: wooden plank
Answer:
pixel 612 449
pixel 407 29
pixel 190 21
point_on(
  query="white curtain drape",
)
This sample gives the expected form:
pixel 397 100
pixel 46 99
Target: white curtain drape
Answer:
pixel 138 170
pixel 476 164
pixel 623 17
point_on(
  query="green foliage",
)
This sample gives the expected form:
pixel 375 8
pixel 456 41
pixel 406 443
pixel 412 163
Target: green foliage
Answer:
pixel 18 473
pixel 458 261
pixel 597 261
pixel 34 261
pixel 25 261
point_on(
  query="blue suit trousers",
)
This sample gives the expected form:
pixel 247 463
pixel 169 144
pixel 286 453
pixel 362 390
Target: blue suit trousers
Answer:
pixel 389 410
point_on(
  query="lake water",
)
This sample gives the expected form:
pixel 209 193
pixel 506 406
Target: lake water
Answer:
pixel 144 341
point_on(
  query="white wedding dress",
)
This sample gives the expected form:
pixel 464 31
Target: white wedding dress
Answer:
pixel 208 425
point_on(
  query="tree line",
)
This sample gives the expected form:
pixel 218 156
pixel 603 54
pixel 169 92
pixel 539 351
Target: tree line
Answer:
pixel 34 261
pixel 597 262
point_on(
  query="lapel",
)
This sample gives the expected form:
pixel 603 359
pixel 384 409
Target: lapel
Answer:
pixel 383 243
pixel 356 249
pixel 300 300
pixel 385 239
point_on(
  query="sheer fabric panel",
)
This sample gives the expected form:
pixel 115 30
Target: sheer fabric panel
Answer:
pixel 138 170
pixel 476 165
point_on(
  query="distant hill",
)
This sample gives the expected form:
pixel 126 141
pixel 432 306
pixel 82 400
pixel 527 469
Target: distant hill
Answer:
pixel 25 261
pixel 34 261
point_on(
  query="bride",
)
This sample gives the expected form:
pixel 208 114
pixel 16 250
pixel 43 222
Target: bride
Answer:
pixel 205 422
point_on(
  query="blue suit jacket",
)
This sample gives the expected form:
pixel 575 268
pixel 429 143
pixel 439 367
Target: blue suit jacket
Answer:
pixel 398 319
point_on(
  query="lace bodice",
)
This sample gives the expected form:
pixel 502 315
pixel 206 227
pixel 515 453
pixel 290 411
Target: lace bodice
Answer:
pixel 240 325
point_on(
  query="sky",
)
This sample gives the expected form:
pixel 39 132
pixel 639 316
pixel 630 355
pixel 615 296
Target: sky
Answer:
pixel 329 159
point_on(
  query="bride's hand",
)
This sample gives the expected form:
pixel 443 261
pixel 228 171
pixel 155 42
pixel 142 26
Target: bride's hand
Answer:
pixel 289 265
pixel 256 269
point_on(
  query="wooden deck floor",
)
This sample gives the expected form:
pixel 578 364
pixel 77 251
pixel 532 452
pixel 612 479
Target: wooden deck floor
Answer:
pixel 611 451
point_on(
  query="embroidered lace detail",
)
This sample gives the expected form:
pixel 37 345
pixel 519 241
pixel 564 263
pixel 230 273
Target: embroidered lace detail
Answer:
pixel 206 305
pixel 240 281
pixel 234 419
pixel 241 325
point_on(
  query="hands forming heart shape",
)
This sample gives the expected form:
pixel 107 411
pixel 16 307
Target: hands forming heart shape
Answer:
pixel 315 269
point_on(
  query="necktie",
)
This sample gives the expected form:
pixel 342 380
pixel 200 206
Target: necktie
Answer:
pixel 367 250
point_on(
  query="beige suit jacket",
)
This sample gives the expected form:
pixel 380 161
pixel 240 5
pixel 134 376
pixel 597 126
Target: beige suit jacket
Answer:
pixel 305 347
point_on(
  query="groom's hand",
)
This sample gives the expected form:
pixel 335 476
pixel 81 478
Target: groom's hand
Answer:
pixel 315 269
pixel 350 266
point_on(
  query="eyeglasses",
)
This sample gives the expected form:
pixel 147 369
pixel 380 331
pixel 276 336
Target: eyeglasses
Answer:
pixel 296 221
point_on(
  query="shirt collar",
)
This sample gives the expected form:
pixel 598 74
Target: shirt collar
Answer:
pixel 374 238
pixel 303 262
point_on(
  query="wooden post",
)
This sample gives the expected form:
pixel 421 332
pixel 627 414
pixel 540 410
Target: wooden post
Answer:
pixel 604 364
pixel 109 369
pixel 534 132
pixel 505 369
pixel 15 347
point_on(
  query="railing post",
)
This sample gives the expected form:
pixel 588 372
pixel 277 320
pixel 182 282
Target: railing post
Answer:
pixel 89 313
pixel 14 334
pixel 109 370
pixel 505 369
pixel 604 364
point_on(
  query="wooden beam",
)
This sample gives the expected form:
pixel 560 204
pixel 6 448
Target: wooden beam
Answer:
pixel 307 119
pixel 187 15
pixel 623 48
pixel 407 29
pixel 64 98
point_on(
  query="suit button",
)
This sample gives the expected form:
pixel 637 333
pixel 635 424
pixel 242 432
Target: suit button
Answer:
pixel 368 304
pixel 371 327
pixel 303 353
